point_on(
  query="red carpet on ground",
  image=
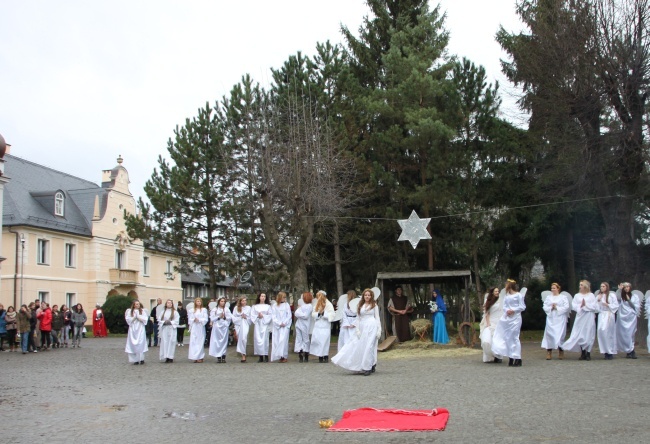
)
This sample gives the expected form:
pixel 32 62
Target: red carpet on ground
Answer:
pixel 391 420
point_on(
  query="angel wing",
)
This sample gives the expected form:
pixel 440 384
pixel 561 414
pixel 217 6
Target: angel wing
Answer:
pixel 545 294
pixel 189 307
pixel 618 295
pixel 354 304
pixel 211 305
pixel 523 292
pixel 647 304
pixel 502 294
pixel 376 292
pixel 569 299
pixel 340 307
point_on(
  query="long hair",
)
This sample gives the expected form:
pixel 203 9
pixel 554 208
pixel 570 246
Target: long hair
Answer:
pixel 351 295
pixel 77 310
pixel 491 299
pixel 239 301
pixel 322 302
pixel 133 307
pixel 511 285
pixel 198 301
pixel 586 284
pixel 626 295
pixel 606 291
pixel 172 309
pixel 372 302
pixel 259 299
pixel 281 297
pixel 307 297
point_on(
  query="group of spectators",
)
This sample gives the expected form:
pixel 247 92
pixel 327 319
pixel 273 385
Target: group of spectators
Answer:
pixel 39 327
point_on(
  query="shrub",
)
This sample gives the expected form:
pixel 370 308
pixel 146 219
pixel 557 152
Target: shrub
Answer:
pixel 114 309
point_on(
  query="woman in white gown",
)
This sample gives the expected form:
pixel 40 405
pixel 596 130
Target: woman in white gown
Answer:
pixel 347 321
pixel 241 317
pixel 359 354
pixel 136 340
pixel 197 318
pixel 322 315
pixel 606 306
pixel 220 317
pixel 492 312
pixel 303 321
pixel 583 333
pixel 261 318
pixel 281 313
pixel 556 307
pixel 167 331
pixel 506 335
pixel 628 311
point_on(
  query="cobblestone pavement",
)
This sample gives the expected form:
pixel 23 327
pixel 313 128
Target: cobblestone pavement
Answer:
pixel 93 395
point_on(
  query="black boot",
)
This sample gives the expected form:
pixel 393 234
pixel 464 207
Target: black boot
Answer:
pixel 223 359
pixel 583 355
pixel 266 358
pixel 306 356
pixel 373 368
pixel 300 357
pixel 261 359
pixel 517 363
pixel 510 362
pixel 587 356
pixel 320 359
pixel 218 360
pixel 326 359
pixel 632 354
pixel 498 361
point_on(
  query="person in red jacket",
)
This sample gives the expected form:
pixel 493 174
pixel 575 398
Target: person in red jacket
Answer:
pixel 99 323
pixel 45 316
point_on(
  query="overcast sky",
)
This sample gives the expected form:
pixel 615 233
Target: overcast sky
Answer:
pixel 82 82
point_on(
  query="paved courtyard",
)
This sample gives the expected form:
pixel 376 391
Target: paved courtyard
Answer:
pixel 93 395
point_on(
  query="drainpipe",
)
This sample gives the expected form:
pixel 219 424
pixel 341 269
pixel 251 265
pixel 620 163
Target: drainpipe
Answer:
pixel 16 268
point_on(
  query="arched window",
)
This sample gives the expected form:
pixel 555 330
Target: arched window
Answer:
pixel 59 204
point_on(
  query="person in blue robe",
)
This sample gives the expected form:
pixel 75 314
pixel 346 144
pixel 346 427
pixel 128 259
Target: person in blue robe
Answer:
pixel 440 335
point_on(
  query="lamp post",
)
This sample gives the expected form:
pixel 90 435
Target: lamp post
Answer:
pixel 22 267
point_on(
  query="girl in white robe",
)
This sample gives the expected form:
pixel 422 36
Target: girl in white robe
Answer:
pixel 492 312
pixel 197 318
pixel 322 315
pixel 583 333
pixel 556 308
pixel 359 354
pixel 606 306
pixel 281 313
pixel 167 331
pixel 261 318
pixel 136 340
pixel 241 317
pixel 628 311
pixel 347 322
pixel 506 335
pixel 220 317
pixel 303 321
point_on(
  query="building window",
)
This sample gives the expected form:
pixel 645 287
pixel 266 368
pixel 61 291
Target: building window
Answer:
pixel 59 204
pixel 198 268
pixel 145 266
pixel 43 253
pixel 169 270
pixel 70 299
pixel 44 296
pixel 70 255
pixel 120 259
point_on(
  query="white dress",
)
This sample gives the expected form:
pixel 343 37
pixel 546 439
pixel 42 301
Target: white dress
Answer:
pixel 136 338
pixel 197 321
pixel 583 333
pixel 261 328
pixel 505 341
pixel 281 314
pixel 487 333
pixel 320 336
pixel 556 320
pixel 347 327
pixel 242 323
pixel 360 352
pixel 303 319
pixel 167 333
pixel 220 318
pixel 607 324
pixel 628 311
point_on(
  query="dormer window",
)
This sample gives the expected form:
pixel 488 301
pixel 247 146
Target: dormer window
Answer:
pixel 59 204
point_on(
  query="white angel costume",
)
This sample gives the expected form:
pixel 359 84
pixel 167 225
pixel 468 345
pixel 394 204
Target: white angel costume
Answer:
pixel 197 320
pixel 242 321
pixel 220 318
pixel 360 352
pixel 583 333
pixel 505 341
pixel 557 309
pixel 607 306
pixel 320 336
pixel 136 339
pixel 261 328
pixel 488 325
pixel 626 321
pixel 647 315
pixel 303 321
pixel 348 319
pixel 281 314
pixel 167 333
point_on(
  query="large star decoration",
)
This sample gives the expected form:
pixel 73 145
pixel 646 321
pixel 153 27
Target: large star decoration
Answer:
pixel 414 229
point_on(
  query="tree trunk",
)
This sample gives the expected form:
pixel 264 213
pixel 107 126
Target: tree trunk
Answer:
pixel 570 263
pixel 337 260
